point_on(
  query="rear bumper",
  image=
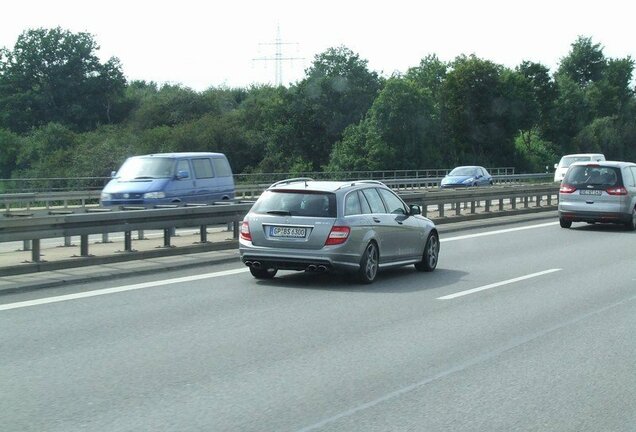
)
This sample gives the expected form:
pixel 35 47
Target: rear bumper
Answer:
pixel 297 259
pixel 602 217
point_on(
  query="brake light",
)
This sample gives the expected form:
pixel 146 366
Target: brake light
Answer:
pixel 245 231
pixel 620 190
pixel 567 189
pixel 338 235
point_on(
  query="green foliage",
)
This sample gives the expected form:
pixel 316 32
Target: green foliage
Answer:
pixel 361 149
pixel 10 143
pixel 55 76
pixel 338 91
pixel 585 63
pixel 483 107
pixel 46 152
pixel 534 154
pixel 99 152
pixel 64 113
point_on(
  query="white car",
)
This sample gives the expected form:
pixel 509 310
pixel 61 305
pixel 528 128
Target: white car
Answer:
pixel 562 167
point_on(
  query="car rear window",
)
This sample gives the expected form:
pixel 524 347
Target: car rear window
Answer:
pixel 593 175
pixel 296 203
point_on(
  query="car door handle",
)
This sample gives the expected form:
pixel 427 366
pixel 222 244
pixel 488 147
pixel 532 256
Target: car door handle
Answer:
pixel 375 219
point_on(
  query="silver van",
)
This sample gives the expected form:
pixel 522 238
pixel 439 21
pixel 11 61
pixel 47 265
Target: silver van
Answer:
pixel 599 192
pixel 170 178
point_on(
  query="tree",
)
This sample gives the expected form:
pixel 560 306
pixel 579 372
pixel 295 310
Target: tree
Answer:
pixel 478 106
pixel 338 91
pixel 55 76
pixel 543 89
pixel 534 154
pixel 361 149
pixel 429 74
pixel 9 145
pixel 585 62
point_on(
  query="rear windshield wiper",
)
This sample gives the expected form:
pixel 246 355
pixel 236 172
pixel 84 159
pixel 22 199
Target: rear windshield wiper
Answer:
pixel 279 212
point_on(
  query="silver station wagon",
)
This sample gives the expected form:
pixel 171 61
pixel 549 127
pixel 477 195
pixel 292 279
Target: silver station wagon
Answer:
pixel 319 226
pixel 601 191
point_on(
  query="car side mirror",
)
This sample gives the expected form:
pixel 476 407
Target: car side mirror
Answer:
pixel 415 210
pixel 182 174
pixel 556 166
pixel 113 174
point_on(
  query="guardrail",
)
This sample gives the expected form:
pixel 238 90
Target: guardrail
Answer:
pixel 495 201
pixel 543 195
pixel 59 184
pixel 23 202
pixel 34 229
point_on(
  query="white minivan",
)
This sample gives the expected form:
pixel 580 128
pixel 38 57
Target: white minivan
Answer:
pixel 562 167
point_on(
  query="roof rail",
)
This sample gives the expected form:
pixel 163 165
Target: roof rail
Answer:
pixel 355 182
pixel 368 181
pixel 291 180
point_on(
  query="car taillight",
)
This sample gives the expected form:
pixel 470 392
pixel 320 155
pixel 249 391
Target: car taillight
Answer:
pixel 245 231
pixel 620 190
pixel 338 235
pixel 566 189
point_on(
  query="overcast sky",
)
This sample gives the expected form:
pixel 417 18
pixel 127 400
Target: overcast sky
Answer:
pixel 202 44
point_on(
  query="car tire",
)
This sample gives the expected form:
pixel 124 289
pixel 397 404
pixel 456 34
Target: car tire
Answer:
pixel 263 273
pixel 369 264
pixel 631 225
pixel 565 223
pixel 430 256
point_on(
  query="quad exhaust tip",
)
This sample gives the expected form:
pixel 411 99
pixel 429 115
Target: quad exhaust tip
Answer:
pixel 316 268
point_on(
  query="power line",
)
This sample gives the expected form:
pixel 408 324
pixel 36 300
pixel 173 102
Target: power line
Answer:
pixel 278 57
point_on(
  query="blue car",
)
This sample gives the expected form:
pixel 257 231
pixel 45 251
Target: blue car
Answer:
pixel 466 176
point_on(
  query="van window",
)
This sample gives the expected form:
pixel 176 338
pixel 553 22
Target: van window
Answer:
pixel 221 167
pixel 202 168
pixel 183 165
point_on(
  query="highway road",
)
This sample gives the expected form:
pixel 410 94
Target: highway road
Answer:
pixel 527 327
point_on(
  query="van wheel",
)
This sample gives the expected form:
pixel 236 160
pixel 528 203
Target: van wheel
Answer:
pixel 565 223
pixel 631 225
pixel 430 255
pixel 369 264
pixel 263 273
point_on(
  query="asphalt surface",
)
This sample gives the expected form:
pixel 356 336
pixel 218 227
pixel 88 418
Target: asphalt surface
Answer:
pixel 522 327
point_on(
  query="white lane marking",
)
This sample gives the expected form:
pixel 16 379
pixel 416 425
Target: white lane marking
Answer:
pixel 488 233
pixel 123 288
pixel 498 284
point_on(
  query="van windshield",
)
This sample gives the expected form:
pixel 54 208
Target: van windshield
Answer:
pixel 146 168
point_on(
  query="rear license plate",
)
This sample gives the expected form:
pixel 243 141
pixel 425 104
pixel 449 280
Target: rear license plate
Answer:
pixel 287 232
pixel 591 192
